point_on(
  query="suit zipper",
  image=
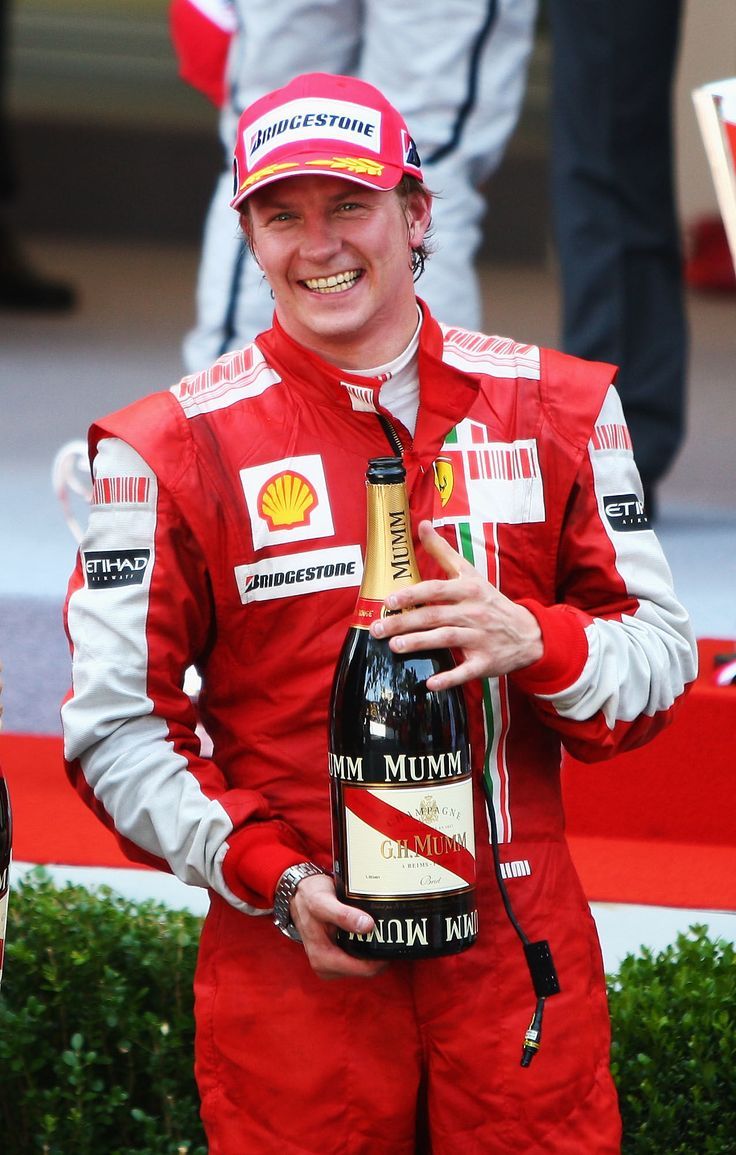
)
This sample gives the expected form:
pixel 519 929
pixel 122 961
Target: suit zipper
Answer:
pixel 391 435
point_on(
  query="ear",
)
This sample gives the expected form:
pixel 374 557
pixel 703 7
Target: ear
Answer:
pixel 418 215
pixel 246 225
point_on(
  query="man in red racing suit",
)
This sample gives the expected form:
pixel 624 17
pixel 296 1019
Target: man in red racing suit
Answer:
pixel 227 531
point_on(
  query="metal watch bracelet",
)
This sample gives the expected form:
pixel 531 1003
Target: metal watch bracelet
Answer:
pixel 285 891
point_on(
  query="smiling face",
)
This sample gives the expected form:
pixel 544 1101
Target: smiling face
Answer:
pixel 337 257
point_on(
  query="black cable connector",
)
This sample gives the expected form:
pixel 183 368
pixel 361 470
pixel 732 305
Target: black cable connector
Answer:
pixel 541 968
pixel 533 1036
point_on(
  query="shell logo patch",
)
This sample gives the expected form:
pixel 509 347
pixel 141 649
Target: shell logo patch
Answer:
pixel 286 500
pixel 444 479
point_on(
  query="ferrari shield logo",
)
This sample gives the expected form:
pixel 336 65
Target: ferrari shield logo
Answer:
pixel 444 479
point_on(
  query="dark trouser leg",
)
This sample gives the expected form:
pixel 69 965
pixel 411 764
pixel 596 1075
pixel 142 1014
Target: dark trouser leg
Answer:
pixel 614 208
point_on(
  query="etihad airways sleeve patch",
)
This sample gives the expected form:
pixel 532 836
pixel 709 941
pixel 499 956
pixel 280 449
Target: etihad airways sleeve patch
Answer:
pixel 108 568
pixel 625 512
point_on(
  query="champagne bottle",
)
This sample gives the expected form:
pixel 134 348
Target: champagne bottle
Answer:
pixel 399 761
pixel 6 845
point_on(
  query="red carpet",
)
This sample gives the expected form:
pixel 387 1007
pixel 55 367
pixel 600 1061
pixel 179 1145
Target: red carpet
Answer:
pixel 51 824
pixel 654 826
pixel 658 825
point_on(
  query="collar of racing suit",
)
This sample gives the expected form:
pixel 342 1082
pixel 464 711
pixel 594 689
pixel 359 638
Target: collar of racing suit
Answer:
pixel 446 394
pixel 398 389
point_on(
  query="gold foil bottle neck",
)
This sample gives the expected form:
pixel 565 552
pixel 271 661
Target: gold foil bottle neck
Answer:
pixel 390 562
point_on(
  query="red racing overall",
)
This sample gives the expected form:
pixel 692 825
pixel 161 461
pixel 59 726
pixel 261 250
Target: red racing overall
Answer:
pixel 227 531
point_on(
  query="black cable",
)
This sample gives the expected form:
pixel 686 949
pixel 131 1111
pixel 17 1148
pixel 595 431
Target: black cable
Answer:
pixel 537 954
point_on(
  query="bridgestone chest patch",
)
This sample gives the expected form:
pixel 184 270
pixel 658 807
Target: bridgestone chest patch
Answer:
pixel 108 568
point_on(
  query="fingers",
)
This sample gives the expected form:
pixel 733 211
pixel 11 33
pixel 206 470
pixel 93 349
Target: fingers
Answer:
pixel 490 634
pixel 435 614
pixel 315 901
pixel 466 585
pixel 452 563
pixel 317 912
pixel 330 962
pixel 427 631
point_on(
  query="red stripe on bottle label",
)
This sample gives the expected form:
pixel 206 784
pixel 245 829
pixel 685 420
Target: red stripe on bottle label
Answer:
pixel 386 819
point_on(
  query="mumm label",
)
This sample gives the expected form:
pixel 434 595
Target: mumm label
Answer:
pixel 402 767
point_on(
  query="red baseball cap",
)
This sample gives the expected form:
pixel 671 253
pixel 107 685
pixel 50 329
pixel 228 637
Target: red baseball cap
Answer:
pixel 319 123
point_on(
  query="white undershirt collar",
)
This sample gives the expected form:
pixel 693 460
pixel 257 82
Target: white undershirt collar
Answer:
pixel 399 390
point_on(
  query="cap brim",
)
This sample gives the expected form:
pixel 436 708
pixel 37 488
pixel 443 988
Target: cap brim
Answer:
pixel 360 170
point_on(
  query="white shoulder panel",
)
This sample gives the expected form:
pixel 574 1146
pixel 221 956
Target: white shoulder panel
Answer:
pixel 498 356
pixel 243 373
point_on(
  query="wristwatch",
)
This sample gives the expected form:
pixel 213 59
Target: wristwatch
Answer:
pixel 285 891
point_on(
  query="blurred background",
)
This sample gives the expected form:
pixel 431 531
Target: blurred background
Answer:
pixel 94 95
pixel 116 161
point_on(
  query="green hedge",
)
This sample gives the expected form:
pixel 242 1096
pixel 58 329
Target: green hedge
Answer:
pixel 96 1033
pixel 674 1047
